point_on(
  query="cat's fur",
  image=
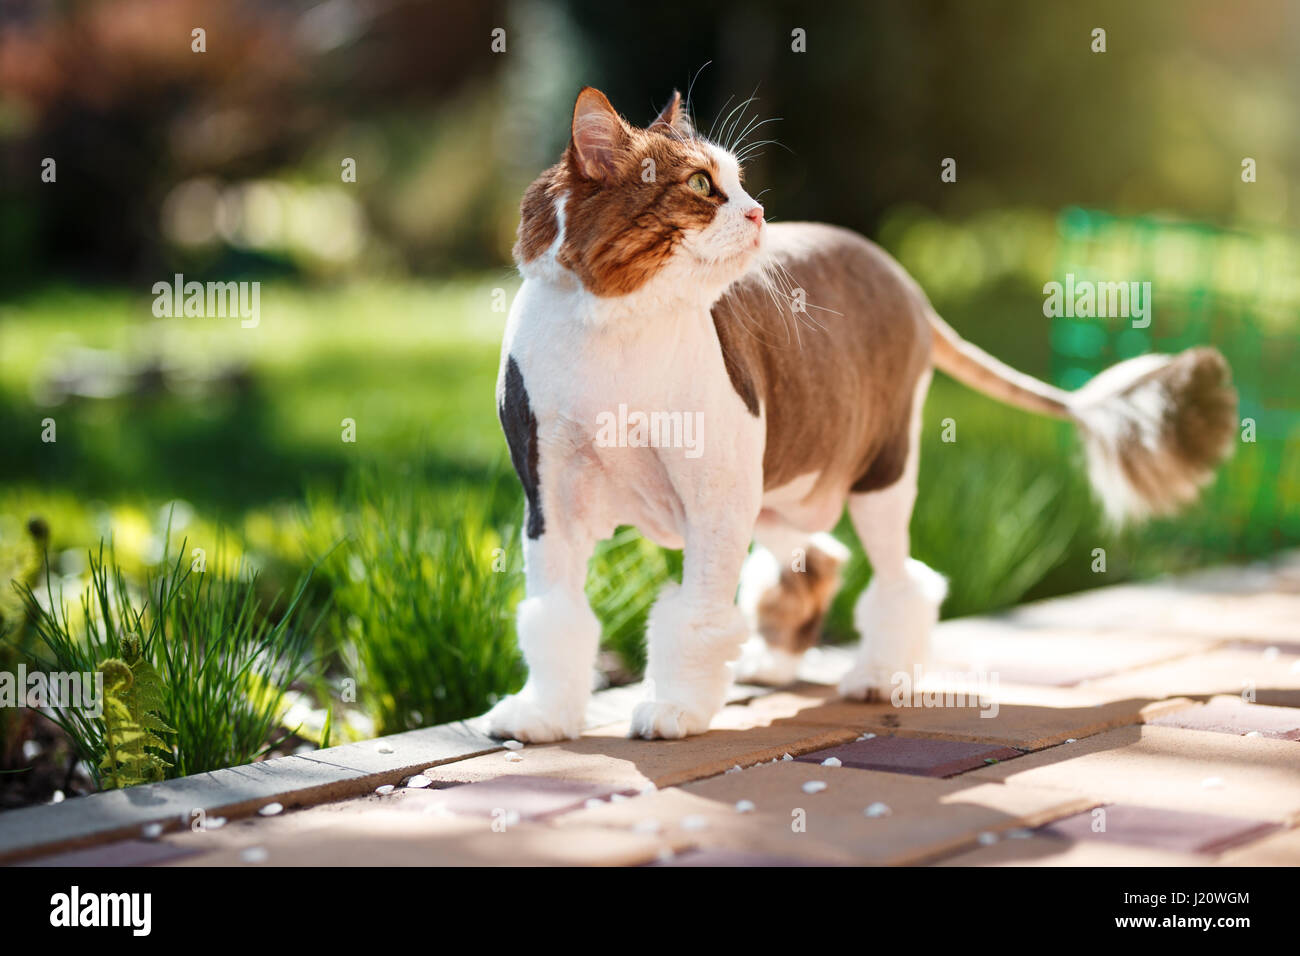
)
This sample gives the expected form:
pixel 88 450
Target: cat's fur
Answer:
pixel 640 292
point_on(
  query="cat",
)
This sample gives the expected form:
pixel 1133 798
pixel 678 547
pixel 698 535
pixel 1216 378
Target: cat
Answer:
pixel 652 282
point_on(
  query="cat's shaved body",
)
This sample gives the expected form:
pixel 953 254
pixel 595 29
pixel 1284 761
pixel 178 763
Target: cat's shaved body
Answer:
pixel 652 283
pixel 865 332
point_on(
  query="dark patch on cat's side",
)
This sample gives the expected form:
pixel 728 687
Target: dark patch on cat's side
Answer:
pixel 741 380
pixel 520 426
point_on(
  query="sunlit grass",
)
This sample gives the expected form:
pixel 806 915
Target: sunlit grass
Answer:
pixel 225 658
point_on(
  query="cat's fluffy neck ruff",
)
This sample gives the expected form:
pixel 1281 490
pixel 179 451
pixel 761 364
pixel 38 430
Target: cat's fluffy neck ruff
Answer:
pixel 667 298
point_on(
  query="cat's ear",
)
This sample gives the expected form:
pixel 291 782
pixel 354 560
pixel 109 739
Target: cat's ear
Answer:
pixel 674 117
pixel 598 134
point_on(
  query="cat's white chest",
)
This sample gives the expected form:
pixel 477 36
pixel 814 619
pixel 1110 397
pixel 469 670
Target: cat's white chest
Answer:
pixel 638 407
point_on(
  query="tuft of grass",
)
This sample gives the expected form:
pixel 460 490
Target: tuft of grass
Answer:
pixel 623 581
pixel 425 587
pixel 223 658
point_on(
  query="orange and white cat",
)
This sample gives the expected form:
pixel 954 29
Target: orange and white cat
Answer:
pixel 653 289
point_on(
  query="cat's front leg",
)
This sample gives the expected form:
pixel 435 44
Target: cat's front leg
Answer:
pixel 694 631
pixel 559 635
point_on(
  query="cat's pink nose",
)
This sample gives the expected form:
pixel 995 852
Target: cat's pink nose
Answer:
pixel 755 215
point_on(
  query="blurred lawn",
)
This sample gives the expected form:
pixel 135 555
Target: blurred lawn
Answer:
pixel 1004 510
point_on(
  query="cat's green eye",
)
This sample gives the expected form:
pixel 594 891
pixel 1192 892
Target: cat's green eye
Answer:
pixel 700 183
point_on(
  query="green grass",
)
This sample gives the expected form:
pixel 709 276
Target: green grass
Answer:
pixel 225 660
pixel 424 585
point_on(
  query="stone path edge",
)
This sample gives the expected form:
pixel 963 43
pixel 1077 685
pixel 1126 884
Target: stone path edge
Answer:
pixel 321 776
pixel 336 773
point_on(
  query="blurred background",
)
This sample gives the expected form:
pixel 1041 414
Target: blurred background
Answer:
pixel 382 298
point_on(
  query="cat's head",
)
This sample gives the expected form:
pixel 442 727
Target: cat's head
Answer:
pixel 630 210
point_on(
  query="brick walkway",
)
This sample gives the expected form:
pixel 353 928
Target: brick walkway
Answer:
pixel 1152 724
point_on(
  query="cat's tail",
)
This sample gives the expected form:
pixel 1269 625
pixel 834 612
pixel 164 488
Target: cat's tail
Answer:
pixel 1154 427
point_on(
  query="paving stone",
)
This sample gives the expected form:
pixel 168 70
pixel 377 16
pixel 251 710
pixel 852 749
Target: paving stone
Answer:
pixel 686 821
pixel 1050 851
pixel 1232 715
pixel 922 756
pixel 1272 679
pixel 1280 849
pixel 121 853
pixel 607 757
pixel 928 817
pixel 1056 656
pixel 1256 604
pixel 1289 648
pixel 532 797
pixel 1254 777
pixel 1028 718
pixel 388 839
pixel 1175 831
pixel 733 858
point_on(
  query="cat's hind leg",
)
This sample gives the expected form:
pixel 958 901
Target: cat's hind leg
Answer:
pixel 896 613
pixel 786 587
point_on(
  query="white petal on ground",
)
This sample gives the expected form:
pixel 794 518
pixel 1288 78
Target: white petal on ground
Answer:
pixel 151 831
pixel 832 762
pixel 254 854
pixel 418 782
pixel 745 806
pixel 512 757
pixel 270 810
pixel 814 786
pixel 385 789
pixel 877 810
pixel 987 839
pixel 513 745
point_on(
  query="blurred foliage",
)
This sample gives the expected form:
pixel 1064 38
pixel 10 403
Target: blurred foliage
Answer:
pixel 229 162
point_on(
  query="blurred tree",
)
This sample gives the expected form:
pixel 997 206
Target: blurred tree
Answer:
pixel 114 92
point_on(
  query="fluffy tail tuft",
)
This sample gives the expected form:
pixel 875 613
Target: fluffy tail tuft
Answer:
pixel 1154 428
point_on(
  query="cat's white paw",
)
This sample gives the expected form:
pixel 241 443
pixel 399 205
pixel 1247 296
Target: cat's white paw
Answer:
pixel 522 717
pixel 761 663
pixel 665 720
pixel 865 684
